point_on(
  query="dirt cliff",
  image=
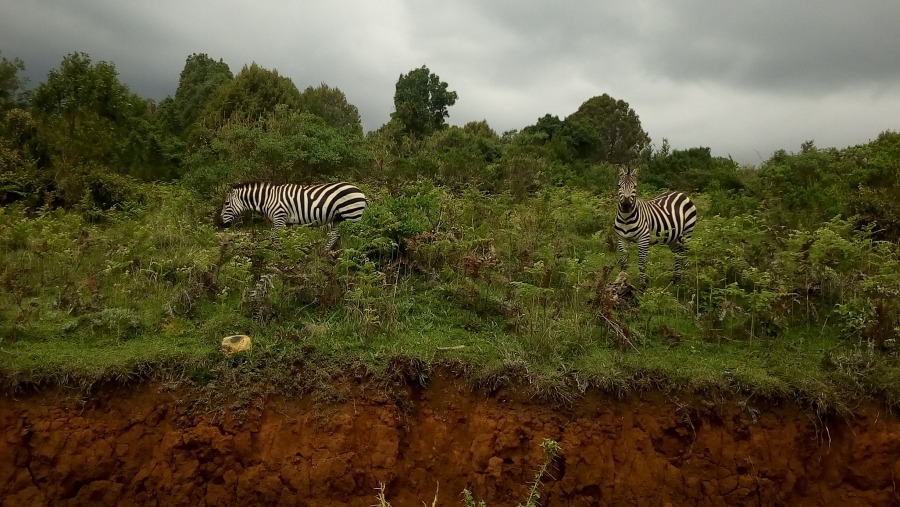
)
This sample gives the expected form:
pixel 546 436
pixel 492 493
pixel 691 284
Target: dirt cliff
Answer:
pixel 149 445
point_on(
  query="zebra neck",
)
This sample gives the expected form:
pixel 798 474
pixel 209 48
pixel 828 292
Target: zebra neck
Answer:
pixel 623 214
pixel 257 200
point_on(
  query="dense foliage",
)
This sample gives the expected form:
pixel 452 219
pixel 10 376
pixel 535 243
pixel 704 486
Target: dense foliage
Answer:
pixel 199 80
pixel 11 85
pixel 497 250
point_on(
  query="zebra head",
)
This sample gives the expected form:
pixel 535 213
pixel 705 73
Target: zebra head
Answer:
pixel 231 209
pixel 627 187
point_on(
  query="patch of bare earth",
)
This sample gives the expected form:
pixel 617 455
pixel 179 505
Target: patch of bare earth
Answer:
pixel 146 445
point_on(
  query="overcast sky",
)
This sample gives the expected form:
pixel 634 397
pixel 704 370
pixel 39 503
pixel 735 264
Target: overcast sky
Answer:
pixel 744 78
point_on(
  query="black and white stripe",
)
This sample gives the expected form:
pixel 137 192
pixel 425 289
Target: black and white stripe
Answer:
pixel 326 204
pixel 669 218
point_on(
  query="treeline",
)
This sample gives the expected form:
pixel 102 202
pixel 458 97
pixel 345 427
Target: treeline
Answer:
pixel 80 138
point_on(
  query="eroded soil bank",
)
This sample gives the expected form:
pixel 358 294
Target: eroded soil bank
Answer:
pixel 146 445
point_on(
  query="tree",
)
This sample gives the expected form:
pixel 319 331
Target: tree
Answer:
pixel 331 105
pixel 252 94
pixel 814 180
pixel 83 134
pixel 88 115
pixel 421 100
pixel 559 137
pixel 285 145
pixel 608 130
pixel 876 176
pixel 199 80
pixel 11 85
pixel 463 156
pixel 693 169
pixel 175 117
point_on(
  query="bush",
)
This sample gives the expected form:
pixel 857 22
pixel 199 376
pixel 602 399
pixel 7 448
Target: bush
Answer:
pixel 390 222
pixel 282 147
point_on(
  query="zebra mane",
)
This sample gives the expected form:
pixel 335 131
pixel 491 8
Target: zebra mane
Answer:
pixel 247 184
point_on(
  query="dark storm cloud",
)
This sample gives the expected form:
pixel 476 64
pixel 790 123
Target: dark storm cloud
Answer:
pixel 43 32
pixel 744 78
pixel 766 45
pixel 149 41
pixel 779 46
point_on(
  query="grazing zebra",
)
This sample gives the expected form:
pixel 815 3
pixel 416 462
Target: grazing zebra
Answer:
pixel 326 204
pixel 669 218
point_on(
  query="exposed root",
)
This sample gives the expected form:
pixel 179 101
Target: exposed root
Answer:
pixel 622 333
pixel 609 300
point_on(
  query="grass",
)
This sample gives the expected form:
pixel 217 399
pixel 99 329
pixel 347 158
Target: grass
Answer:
pixel 776 370
pixel 152 292
pixel 49 362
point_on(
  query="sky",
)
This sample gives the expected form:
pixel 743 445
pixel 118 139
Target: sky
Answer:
pixel 742 78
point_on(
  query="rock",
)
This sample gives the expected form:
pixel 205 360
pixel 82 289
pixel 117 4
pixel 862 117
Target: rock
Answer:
pixel 236 343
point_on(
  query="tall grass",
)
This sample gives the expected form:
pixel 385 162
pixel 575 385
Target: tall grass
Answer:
pixel 503 284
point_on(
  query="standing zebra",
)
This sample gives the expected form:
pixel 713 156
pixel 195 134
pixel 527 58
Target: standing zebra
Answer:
pixel 326 204
pixel 669 218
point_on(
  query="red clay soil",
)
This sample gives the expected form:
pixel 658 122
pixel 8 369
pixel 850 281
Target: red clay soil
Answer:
pixel 144 446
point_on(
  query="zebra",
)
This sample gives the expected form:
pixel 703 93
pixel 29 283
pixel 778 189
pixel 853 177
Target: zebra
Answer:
pixel 326 204
pixel 669 218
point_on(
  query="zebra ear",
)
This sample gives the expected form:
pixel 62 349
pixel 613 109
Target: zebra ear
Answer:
pixel 623 171
pixel 634 170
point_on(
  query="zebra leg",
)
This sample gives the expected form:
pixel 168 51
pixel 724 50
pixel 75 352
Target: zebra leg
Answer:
pixel 643 247
pixel 278 222
pixel 678 250
pixel 332 239
pixel 623 254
